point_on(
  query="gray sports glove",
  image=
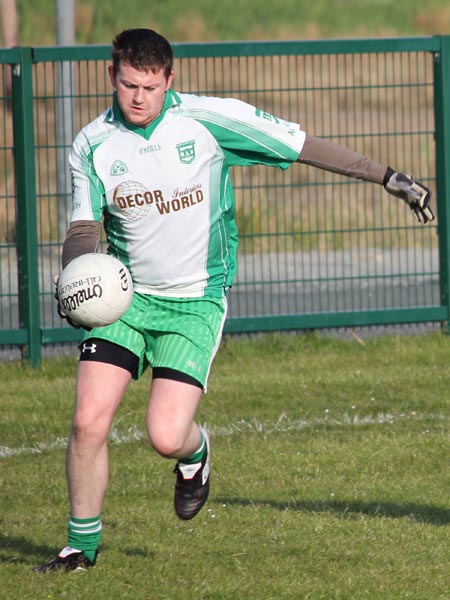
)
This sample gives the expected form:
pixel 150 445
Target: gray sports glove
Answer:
pixel 412 192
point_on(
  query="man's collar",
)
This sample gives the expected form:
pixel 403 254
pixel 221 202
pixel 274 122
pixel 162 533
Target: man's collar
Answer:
pixel 115 114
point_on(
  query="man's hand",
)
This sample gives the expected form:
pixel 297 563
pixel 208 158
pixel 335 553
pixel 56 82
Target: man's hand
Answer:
pixel 61 312
pixel 413 193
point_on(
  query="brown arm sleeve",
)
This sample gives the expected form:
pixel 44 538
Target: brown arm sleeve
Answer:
pixel 82 237
pixel 327 155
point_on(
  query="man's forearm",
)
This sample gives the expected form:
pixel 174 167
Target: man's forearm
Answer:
pixel 327 155
pixel 82 237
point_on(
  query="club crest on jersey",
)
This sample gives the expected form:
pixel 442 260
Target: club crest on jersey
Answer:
pixel 118 168
pixel 186 152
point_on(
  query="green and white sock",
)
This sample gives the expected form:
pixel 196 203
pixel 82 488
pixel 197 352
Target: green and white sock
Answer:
pixel 85 534
pixel 196 456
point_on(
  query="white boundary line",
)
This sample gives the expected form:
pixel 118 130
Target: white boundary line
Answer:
pixel 282 424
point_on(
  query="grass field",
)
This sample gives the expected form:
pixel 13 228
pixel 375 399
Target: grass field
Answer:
pixel 329 479
pixel 97 21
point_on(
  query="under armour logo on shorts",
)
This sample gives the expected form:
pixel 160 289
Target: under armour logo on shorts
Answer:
pixel 92 348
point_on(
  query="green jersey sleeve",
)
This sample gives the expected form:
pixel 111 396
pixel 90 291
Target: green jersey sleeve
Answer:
pixel 88 191
pixel 246 134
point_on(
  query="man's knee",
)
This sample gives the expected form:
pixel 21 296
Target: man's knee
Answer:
pixel 88 427
pixel 168 442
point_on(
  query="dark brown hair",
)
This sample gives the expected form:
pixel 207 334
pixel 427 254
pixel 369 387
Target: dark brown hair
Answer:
pixel 143 49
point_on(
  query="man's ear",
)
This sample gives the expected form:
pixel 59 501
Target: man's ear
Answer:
pixel 170 80
pixel 112 76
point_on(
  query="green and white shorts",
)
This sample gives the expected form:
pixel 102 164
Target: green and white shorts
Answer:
pixel 178 334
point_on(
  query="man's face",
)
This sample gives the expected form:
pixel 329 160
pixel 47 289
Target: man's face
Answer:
pixel 140 93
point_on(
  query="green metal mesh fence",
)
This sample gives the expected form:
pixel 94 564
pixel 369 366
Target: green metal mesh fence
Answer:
pixel 316 249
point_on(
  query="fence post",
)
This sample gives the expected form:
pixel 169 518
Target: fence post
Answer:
pixel 442 129
pixel 65 12
pixel 26 220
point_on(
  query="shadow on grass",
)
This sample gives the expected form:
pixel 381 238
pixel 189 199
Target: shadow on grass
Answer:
pixel 11 546
pixel 434 515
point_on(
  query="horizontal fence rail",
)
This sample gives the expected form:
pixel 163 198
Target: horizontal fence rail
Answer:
pixel 317 250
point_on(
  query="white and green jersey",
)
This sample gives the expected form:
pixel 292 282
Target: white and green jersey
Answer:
pixel 164 191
